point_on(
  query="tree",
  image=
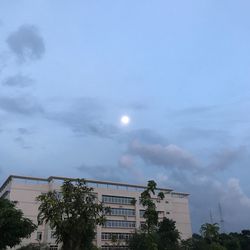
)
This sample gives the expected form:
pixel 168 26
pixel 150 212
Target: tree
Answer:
pixel 168 235
pixel 229 241
pixel 150 214
pixel 143 241
pixel 210 232
pixel 13 226
pixel 150 237
pixel 34 247
pixel 73 214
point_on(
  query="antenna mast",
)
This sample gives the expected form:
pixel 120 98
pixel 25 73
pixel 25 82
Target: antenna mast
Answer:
pixel 221 219
pixel 211 217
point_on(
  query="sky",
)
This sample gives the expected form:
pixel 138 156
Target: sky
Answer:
pixel 179 69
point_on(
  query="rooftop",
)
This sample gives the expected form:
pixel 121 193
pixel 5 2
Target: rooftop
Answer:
pixel 93 183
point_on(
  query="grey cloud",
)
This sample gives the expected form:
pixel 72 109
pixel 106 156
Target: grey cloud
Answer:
pixel 23 105
pixel 200 133
pixel 227 157
pixel 170 156
pixel 147 136
pixel 18 80
pixel 26 43
pixel 4 57
pixel 205 195
pixel 138 106
pixel 143 135
pixel 126 161
pixel 85 117
pixel 100 172
pixel 196 110
pixel 110 173
pixel 24 131
pixel 21 142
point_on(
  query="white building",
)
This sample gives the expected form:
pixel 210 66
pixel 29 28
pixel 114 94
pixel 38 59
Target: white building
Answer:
pixel 124 218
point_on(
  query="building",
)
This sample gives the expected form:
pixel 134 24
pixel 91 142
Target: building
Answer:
pixel 125 215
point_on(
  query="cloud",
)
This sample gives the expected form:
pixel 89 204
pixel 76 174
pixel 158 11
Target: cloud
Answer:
pixel 18 80
pixel 126 161
pixel 192 133
pixel 85 117
pixel 4 57
pixel 227 157
pixel 170 156
pixel 101 172
pixel 110 173
pixel 23 105
pixel 26 43
pixel 21 142
pixel 196 110
pixel 236 191
pixel 138 106
pixel 24 131
pixel 146 136
pixel 206 193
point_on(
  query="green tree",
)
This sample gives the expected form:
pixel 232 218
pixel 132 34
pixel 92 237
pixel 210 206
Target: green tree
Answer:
pixel 150 214
pixel 187 244
pixel 13 226
pixel 73 214
pixel 34 247
pixel 229 241
pixel 143 241
pixel 168 235
pixel 210 232
pixel 150 236
pixel 243 238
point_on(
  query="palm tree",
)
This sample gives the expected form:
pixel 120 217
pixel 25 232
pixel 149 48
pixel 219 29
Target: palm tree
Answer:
pixel 210 232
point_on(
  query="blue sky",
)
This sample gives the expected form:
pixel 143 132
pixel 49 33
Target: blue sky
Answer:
pixel 179 69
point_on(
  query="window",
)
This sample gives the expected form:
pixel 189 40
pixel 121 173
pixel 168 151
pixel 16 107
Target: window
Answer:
pixel 114 247
pixel 118 236
pixel 122 212
pixel 178 195
pixel 142 212
pixel 160 213
pixel 53 247
pixel 39 236
pixel 52 235
pixel 143 225
pixel 117 200
pixel 39 222
pixel 119 224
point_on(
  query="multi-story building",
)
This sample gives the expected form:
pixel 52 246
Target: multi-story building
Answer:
pixel 125 217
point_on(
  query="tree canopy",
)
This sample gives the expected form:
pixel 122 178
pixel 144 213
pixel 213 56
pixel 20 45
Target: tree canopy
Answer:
pixel 212 239
pixel 73 214
pixel 13 225
pixel 154 235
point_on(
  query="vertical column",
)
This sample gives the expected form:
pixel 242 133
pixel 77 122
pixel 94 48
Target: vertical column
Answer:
pixel 137 212
pixel 99 228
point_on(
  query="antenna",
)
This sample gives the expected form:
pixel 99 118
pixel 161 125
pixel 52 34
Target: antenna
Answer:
pixel 221 219
pixel 211 217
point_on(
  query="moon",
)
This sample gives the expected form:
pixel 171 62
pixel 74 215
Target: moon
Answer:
pixel 125 120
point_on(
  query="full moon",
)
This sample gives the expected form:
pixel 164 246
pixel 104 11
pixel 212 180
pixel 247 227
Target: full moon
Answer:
pixel 125 120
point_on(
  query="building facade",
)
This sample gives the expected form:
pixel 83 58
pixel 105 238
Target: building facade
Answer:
pixel 125 217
